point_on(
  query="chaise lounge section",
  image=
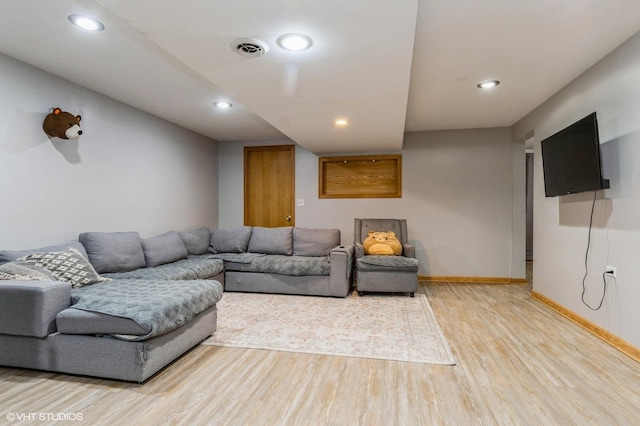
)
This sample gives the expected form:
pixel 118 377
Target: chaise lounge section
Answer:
pixel 154 301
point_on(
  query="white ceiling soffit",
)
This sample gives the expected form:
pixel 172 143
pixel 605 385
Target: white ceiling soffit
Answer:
pixel 534 47
pixel 123 64
pixel 358 66
pixel 388 66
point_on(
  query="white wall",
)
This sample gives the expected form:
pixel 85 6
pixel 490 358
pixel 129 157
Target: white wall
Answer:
pixel 128 171
pixel 458 197
pixel 612 89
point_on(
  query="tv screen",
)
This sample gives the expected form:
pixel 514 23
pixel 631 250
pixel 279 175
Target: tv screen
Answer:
pixel 571 159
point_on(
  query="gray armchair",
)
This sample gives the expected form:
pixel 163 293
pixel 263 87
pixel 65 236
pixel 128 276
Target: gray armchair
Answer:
pixel 384 273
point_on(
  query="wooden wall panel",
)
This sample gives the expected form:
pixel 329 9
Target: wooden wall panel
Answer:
pixel 371 176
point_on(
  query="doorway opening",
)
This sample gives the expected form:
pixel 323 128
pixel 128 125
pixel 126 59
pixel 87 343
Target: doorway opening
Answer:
pixel 529 143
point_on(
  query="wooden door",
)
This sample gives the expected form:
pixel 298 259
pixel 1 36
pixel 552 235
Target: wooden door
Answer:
pixel 269 185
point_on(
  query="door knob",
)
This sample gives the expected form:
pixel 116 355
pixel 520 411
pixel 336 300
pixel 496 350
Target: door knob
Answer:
pixel 288 218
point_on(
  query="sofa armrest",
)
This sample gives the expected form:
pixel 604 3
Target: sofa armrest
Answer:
pixel 29 308
pixel 341 262
pixel 408 250
pixel 359 250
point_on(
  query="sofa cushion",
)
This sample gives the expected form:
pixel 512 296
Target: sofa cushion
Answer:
pixel 159 306
pixel 164 248
pixel 196 241
pixel 113 251
pixel 314 242
pixel 11 255
pixel 284 265
pixel 271 240
pixel 233 240
pixel 193 268
pixel 77 321
pixel 387 263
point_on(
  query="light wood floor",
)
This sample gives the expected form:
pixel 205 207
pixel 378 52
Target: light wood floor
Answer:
pixel 518 363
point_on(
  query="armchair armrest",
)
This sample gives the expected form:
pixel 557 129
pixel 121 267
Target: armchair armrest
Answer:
pixel 359 250
pixel 408 250
pixel 29 308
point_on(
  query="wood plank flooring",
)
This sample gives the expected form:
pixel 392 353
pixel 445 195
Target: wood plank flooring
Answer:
pixel 518 363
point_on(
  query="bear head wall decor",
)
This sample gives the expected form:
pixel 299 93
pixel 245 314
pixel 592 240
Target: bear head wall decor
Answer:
pixel 61 124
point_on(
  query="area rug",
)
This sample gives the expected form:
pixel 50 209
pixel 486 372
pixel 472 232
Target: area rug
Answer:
pixel 390 327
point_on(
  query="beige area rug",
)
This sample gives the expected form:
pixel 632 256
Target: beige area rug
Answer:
pixel 387 327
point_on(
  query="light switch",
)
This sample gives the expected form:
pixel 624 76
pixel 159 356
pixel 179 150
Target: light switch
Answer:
pixel 300 202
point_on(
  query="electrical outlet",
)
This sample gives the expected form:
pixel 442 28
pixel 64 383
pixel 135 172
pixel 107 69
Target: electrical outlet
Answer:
pixel 300 202
pixel 612 271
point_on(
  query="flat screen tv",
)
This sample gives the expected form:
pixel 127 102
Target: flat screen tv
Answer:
pixel 571 159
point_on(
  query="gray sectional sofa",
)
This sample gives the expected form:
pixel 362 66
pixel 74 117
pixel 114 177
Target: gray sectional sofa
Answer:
pixel 119 306
pixel 287 260
pixel 131 309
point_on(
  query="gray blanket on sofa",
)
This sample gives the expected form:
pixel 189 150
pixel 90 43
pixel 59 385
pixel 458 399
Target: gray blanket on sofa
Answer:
pixel 158 306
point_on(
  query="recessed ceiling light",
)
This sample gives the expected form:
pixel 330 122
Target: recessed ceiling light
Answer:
pixel 488 84
pixel 223 105
pixel 341 122
pixel 295 42
pixel 86 23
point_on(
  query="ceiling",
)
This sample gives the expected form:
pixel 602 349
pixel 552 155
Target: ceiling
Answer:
pixel 387 66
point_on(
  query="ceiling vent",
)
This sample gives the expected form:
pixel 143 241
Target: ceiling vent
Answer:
pixel 249 47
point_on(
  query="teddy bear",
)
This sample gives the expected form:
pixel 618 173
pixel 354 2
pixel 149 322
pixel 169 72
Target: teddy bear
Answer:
pixel 62 124
pixel 382 243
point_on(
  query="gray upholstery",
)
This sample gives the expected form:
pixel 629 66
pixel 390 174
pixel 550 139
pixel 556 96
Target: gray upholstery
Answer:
pixel 196 241
pixel 234 240
pixel 113 251
pixel 105 356
pixel 284 265
pixel 157 305
pixel 384 273
pixel 164 248
pixel 258 282
pixel 236 257
pixel 39 330
pixel 336 284
pixel 193 268
pixel 399 263
pixel 284 260
pixel 33 315
pixel 77 321
pixel 29 308
pixel 314 242
pixel 271 240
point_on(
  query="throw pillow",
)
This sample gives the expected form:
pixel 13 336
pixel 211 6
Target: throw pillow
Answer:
pixel 234 240
pixel 197 242
pixel 165 248
pixel 113 251
pixel 68 265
